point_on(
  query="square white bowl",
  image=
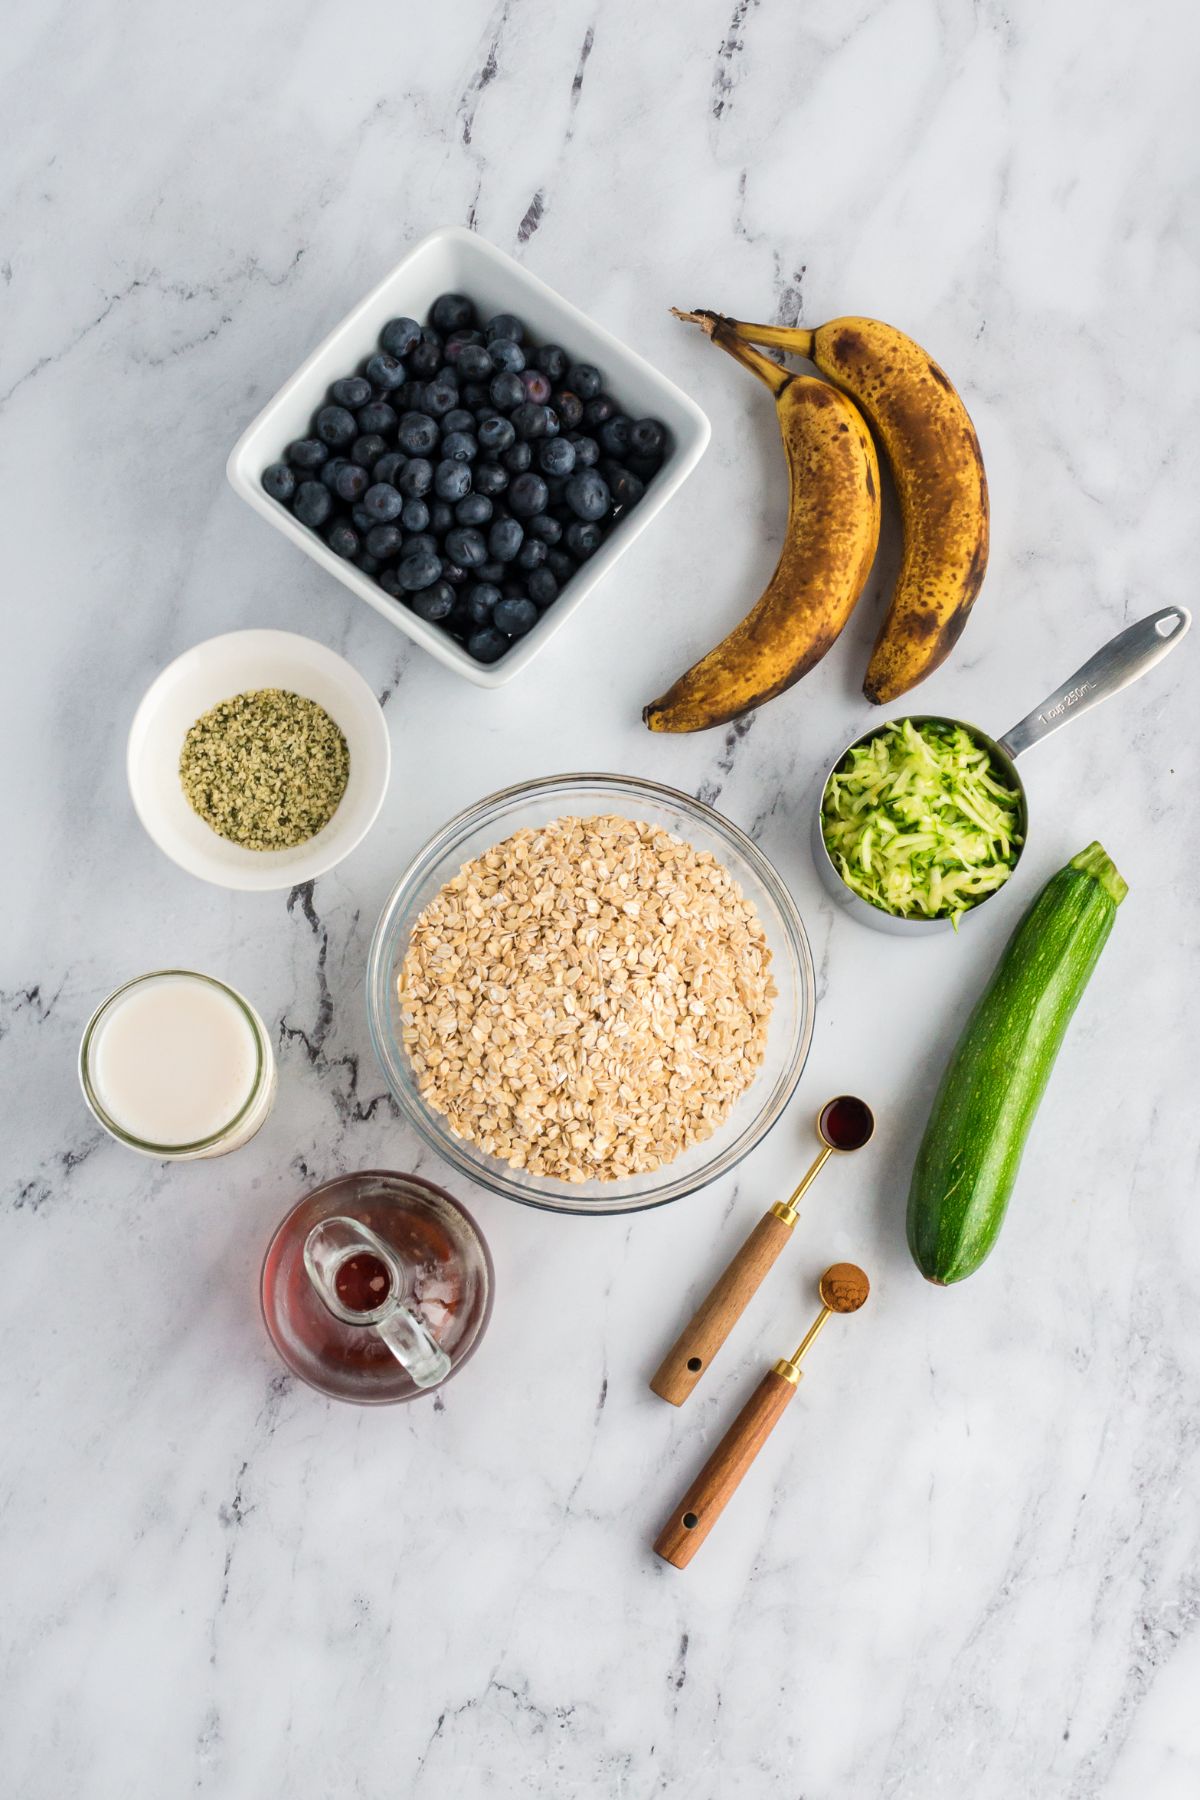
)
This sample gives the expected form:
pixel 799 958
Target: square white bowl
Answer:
pixel 454 260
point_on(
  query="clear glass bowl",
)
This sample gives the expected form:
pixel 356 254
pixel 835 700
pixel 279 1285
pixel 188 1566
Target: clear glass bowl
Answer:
pixel 536 803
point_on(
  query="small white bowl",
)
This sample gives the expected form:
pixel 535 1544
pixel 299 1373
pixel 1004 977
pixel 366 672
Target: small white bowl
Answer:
pixel 454 260
pixel 216 670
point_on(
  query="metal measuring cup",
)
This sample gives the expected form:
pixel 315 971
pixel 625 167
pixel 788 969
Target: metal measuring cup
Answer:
pixel 1125 658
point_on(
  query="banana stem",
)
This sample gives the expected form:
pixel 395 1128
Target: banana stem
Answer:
pixel 795 338
pixel 721 331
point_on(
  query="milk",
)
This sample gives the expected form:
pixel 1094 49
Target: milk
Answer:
pixel 173 1059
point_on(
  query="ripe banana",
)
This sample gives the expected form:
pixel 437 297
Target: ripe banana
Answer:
pixel 833 529
pixel 931 445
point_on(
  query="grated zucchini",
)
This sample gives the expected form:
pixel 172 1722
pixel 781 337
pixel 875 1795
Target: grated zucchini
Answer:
pixel 918 820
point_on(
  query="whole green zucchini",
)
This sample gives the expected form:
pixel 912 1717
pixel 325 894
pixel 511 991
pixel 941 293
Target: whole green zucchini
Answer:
pixel 971 1151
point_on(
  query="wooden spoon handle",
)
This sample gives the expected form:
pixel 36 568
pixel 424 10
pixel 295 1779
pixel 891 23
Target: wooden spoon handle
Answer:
pixel 704 1502
pixel 716 1316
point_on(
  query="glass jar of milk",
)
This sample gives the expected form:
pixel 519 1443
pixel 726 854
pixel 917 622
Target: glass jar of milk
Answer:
pixel 178 1066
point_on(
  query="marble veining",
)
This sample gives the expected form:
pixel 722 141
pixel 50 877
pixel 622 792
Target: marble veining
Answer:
pixel 967 1563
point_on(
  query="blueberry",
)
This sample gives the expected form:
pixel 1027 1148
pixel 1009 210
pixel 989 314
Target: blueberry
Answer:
pixel 415 478
pixel 528 495
pixel 473 394
pixel 478 601
pixel 452 480
pixel 496 435
pixel 424 361
pixel 389 581
pixel 569 408
pixel 383 503
pixel 367 450
pixel 543 586
pixel 418 569
pixel 551 359
pixel 558 564
pixel 370 565
pixel 458 419
pixel 414 515
pixel 455 574
pixel 532 554
pixel 384 541
pixel 422 542
pixel 584 380
pixel 451 312
pixel 465 334
pixel 335 425
pixel 351 391
pixel 487 645
pixel 504 539
pixel 342 538
pixel 440 397
pixel 597 412
pixel 378 416
pixel 475 509
pixel 493 572
pixel 351 482
pixel 587 495
pixel 389 466
pixel 329 473
pixel 506 391
pixel 408 398
pixel 362 520
pixel 507 354
pixel 312 503
pixel 544 527
pixel 441 517
pixel 475 363
pixel 460 446
pixel 626 489
pixel 279 481
pixel 517 458
pixel 587 451
pixel 434 603
pixel 490 479
pixel 466 546
pixel 537 386
pixel 417 433
pixel 648 437
pixel 530 420
pixel 307 453
pixel 582 540
pixel 556 456
pixel 399 336
pixel 644 467
pixel 386 372
pixel 514 617
pixel 614 435
pixel 505 325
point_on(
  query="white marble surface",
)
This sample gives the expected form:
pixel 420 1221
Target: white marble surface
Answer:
pixel 968 1562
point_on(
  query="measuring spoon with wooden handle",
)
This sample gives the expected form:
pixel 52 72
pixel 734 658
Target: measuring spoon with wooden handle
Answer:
pixel 843 1289
pixel 843 1124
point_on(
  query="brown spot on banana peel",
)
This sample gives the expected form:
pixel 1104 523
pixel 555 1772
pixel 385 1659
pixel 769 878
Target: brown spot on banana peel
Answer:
pixel 833 529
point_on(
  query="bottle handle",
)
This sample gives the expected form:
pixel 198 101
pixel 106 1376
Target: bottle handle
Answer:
pixel 329 1244
pixel 411 1344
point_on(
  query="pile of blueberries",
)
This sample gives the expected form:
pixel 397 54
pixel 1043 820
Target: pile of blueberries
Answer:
pixel 469 471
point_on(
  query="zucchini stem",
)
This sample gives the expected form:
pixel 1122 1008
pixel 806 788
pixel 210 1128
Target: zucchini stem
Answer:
pixel 1095 861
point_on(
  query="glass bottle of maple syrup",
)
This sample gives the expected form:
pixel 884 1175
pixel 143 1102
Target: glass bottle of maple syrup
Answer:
pixel 376 1287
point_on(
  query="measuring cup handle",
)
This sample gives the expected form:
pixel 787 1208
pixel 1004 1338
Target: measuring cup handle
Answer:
pixel 705 1500
pixel 1126 657
pixel 717 1314
pixel 413 1347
